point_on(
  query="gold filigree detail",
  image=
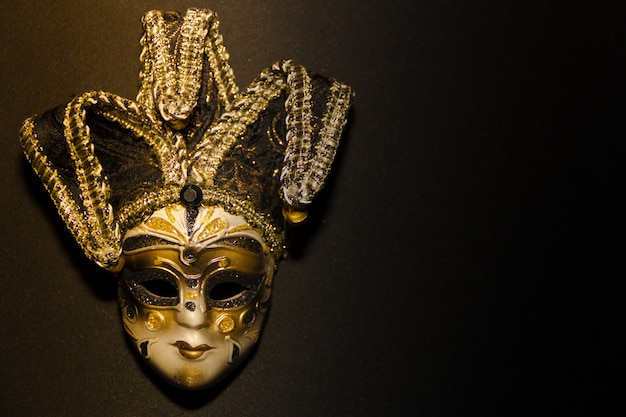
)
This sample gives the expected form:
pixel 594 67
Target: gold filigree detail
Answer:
pixel 212 229
pixel 163 226
pixel 240 228
pixel 170 215
pixel 209 213
pixel 272 133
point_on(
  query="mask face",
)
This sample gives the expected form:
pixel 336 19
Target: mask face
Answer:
pixel 194 291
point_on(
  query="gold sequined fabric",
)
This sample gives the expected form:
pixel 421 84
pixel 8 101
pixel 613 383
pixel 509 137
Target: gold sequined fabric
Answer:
pixel 108 162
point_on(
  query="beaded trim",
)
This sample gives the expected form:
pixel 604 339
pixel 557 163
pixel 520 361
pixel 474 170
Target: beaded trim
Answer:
pixel 66 206
pixel 305 168
pixel 173 73
pixel 318 165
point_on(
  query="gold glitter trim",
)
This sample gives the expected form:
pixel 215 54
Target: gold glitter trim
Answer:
pixel 133 213
pixel 164 226
pixel 170 215
pixel 212 229
pixel 208 215
pixel 240 228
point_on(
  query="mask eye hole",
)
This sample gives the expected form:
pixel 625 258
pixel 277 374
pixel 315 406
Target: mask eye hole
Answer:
pixel 152 286
pixel 160 288
pixel 229 289
pixel 225 290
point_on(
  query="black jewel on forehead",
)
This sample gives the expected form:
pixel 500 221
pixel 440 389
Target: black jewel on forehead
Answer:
pixel 191 196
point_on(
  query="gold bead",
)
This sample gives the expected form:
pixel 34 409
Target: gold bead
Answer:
pixel 295 214
pixel 154 320
pixel 226 324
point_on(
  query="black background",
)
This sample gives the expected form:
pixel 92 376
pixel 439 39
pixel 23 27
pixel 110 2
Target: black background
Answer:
pixel 460 261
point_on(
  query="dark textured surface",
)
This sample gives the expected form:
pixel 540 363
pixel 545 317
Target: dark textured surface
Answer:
pixel 458 263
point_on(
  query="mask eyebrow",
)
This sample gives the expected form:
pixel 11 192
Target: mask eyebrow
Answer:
pixel 145 241
pixel 243 242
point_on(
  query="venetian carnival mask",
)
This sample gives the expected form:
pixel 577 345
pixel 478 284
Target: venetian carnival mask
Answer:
pixel 185 193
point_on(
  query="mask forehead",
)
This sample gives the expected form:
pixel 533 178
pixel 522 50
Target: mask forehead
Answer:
pixel 195 228
pixel 190 263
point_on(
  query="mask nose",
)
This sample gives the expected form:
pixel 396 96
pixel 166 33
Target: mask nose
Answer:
pixel 193 312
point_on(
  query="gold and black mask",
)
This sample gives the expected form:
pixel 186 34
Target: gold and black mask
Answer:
pixel 185 191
